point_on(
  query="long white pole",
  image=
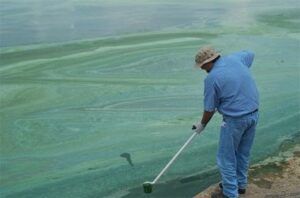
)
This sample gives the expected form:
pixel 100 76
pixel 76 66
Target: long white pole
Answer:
pixel 174 158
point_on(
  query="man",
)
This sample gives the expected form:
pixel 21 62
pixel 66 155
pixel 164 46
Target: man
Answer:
pixel 230 89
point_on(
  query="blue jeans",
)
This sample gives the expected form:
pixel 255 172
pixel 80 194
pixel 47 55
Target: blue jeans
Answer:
pixel 236 139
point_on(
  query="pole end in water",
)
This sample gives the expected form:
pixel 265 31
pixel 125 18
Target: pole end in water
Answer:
pixel 147 187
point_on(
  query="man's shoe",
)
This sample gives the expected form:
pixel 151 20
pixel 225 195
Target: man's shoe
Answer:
pixel 240 191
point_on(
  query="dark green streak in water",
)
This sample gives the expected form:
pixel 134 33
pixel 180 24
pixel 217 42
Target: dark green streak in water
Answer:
pixel 287 19
pixel 71 48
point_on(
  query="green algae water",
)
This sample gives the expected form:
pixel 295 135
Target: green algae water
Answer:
pixel 97 96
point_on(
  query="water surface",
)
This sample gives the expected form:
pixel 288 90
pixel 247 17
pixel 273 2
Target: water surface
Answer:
pixel 97 96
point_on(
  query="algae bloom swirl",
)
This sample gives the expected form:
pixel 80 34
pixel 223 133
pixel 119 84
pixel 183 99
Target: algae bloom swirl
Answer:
pixel 96 96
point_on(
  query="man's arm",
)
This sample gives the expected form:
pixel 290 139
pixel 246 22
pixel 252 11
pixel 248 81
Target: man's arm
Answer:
pixel 245 56
pixel 211 102
pixel 206 117
pixel 199 127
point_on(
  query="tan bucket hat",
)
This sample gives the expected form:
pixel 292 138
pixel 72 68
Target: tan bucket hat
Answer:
pixel 205 55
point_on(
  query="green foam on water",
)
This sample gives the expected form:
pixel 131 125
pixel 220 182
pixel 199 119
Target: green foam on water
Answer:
pixel 69 109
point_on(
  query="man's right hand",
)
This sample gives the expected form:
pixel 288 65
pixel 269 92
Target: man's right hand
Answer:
pixel 198 127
